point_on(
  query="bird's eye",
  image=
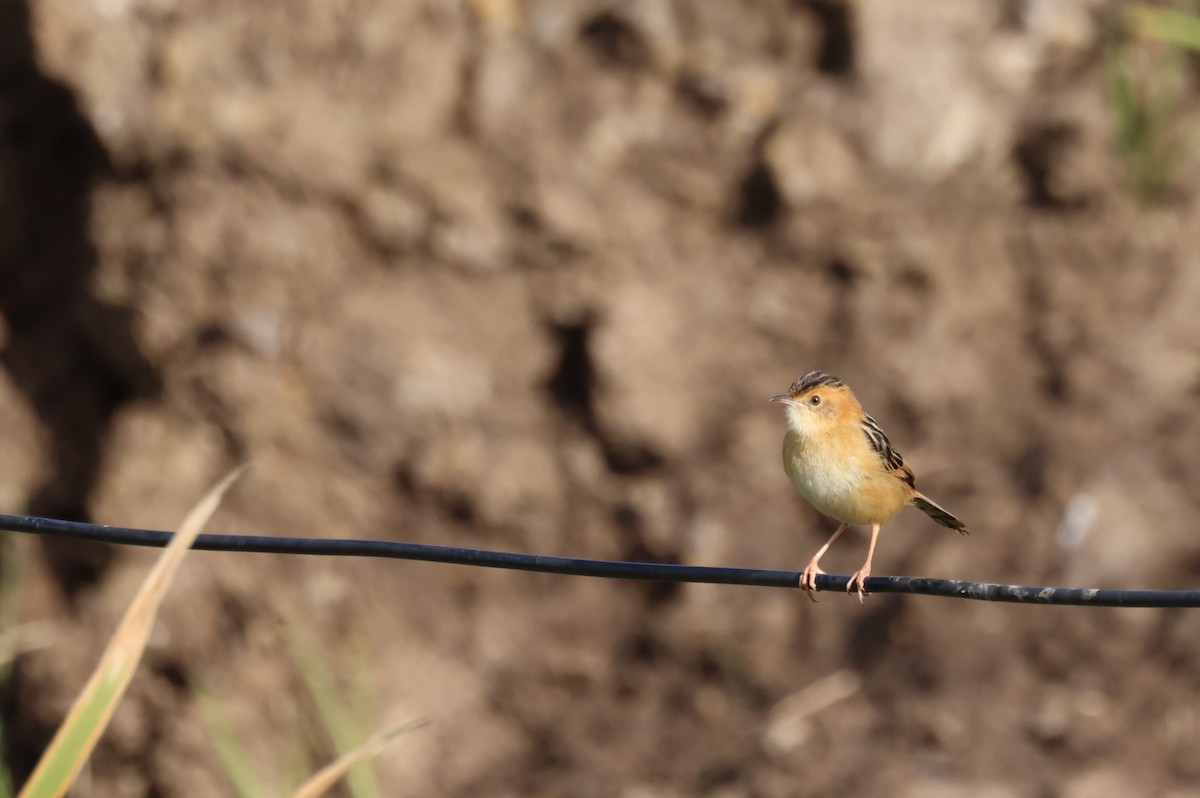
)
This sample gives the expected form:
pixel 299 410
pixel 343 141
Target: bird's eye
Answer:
pixel 815 400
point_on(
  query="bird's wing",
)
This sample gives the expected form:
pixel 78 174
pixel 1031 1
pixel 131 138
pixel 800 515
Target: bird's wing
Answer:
pixel 890 458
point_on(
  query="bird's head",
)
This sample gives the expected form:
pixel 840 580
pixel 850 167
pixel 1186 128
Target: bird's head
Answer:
pixel 816 402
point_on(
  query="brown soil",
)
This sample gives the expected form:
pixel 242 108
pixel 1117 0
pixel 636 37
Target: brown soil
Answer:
pixel 521 275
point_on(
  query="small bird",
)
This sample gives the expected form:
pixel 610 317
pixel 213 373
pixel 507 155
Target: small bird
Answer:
pixel 841 461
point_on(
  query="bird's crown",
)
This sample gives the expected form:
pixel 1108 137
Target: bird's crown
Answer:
pixel 814 379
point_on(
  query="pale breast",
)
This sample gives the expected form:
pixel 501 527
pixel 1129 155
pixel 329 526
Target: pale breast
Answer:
pixel 833 480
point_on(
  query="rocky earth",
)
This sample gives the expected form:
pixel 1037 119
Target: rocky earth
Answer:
pixel 521 276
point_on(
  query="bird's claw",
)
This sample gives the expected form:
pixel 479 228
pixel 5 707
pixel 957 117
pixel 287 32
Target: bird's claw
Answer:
pixel 859 579
pixel 808 581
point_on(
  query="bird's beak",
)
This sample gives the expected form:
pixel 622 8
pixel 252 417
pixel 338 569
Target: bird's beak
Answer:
pixel 784 398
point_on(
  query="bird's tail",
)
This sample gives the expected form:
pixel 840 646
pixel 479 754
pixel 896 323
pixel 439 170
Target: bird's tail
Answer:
pixel 939 514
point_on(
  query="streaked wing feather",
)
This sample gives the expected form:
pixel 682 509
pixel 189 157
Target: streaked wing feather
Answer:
pixel 883 447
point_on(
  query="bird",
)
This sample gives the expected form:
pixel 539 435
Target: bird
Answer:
pixel 842 463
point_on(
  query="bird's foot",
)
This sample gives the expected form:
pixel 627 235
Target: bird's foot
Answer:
pixel 859 579
pixel 808 579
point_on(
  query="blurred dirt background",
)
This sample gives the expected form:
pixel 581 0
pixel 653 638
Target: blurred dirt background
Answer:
pixel 521 275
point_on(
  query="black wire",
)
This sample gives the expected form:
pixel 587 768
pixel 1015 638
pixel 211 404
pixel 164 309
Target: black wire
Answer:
pixel 948 588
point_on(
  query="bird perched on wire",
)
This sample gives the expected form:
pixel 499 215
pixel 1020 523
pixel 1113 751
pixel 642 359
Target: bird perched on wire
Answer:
pixel 844 465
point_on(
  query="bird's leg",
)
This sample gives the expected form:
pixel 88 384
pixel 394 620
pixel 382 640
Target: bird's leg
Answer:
pixel 860 576
pixel 808 578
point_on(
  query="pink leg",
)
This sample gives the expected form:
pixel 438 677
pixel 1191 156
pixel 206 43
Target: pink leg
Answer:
pixel 808 578
pixel 860 576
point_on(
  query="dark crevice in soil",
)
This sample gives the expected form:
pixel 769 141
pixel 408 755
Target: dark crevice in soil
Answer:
pixel 457 506
pixel 886 642
pixel 704 96
pixel 572 386
pixel 1037 310
pixel 840 333
pixel 71 354
pixel 26 735
pixel 1011 15
pixel 636 548
pixel 759 201
pixel 571 383
pixel 841 272
pixel 836 54
pixel 716 776
pixel 1029 470
pixel 615 41
pixel 464 120
pixel 172 671
pixel 1038 155
pixel 641 647
pixel 630 459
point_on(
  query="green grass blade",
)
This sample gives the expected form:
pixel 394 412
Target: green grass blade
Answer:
pixel 12 562
pixel 297 760
pixel 13 638
pixel 1126 108
pixel 338 716
pixel 1165 25
pixel 76 737
pixel 1143 112
pixel 229 748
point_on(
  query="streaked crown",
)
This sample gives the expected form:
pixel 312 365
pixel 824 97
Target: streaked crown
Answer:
pixel 814 379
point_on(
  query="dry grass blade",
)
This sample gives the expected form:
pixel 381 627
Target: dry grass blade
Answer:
pixel 77 736
pixel 320 782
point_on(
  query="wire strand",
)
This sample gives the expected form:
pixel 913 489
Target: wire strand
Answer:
pixel 571 566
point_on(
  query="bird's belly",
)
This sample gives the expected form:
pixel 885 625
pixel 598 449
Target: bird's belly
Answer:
pixel 834 495
pixel 839 487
